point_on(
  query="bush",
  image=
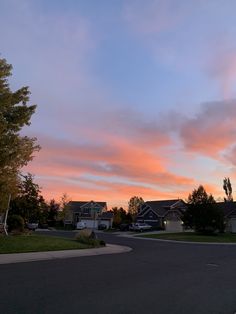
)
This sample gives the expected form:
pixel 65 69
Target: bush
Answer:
pixel 15 222
pixel 89 237
pixel 102 243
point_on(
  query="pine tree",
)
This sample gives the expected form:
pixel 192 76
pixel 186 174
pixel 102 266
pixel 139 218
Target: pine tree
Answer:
pixel 228 190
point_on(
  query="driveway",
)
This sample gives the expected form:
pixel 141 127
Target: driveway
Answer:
pixel 155 277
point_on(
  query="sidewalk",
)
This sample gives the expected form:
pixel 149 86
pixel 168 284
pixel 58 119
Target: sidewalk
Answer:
pixel 41 256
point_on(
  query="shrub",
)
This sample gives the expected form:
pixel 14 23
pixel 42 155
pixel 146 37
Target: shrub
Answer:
pixel 102 243
pixel 89 237
pixel 15 222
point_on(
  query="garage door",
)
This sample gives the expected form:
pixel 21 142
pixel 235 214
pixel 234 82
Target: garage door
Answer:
pixel 174 226
pixel 90 223
pixel 106 222
pixel 233 225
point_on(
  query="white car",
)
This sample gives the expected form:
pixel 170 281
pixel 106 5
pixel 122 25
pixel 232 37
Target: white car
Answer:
pixel 141 226
pixel 81 225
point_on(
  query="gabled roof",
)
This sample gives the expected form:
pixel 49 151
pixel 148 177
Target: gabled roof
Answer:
pixel 162 206
pixel 107 215
pixel 228 208
pixel 163 203
pixel 76 206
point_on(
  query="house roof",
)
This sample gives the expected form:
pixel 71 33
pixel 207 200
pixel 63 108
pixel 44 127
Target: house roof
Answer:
pixel 229 208
pixel 160 207
pixel 75 206
pixel 107 215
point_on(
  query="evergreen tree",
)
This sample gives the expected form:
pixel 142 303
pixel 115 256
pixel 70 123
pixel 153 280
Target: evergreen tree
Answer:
pixel 228 190
pixel 29 203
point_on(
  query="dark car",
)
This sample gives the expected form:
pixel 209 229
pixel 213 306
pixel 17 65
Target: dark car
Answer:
pixel 124 227
pixel 102 227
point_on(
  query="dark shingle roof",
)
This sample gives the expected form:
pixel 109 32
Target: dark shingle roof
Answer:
pixel 228 208
pixel 160 207
pixel 75 206
pixel 107 215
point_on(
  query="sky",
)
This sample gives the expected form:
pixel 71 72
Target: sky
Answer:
pixel 134 97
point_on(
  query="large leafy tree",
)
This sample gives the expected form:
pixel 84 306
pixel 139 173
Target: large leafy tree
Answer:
pixel 15 149
pixel 228 190
pixel 120 216
pixel 202 213
pixel 134 205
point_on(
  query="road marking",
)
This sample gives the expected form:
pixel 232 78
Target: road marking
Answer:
pixel 212 265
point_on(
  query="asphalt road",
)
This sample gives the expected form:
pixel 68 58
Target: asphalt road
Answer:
pixel 156 277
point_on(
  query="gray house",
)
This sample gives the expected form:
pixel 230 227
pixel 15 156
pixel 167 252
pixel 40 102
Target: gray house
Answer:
pixel 90 212
pixel 229 210
pixel 167 214
pixel 164 214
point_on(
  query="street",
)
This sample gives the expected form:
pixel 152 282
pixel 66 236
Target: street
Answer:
pixel 155 277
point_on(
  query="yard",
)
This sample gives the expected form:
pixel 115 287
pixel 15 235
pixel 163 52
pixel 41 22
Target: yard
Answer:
pixel 194 237
pixel 40 243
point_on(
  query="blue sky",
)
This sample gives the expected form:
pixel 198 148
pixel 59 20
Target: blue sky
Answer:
pixel 134 97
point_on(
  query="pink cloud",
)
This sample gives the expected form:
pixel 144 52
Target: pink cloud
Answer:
pixel 212 130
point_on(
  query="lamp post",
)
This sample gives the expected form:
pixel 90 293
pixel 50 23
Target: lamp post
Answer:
pixel 94 210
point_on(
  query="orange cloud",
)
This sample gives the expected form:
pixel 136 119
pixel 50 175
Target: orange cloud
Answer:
pixel 116 194
pixel 119 168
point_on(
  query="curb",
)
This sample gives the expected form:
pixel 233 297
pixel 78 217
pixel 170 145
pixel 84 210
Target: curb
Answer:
pixel 50 255
pixel 185 242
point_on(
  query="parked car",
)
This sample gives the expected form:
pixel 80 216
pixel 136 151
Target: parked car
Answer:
pixel 132 226
pixel 141 226
pixel 81 225
pixel 43 225
pixel 32 225
pixel 102 227
pixel 124 227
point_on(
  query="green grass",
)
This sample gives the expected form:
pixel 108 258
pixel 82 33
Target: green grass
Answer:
pixel 193 237
pixel 38 243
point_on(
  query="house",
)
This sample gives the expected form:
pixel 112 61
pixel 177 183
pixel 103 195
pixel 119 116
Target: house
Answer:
pixel 167 214
pixel 164 214
pixel 91 212
pixel 229 210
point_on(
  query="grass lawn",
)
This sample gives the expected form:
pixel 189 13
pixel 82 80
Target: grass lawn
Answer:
pixel 37 243
pixel 193 237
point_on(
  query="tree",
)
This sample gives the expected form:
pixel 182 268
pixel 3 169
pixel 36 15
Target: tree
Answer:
pixel 134 205
pixel 202 213
pixel 15 150
pixel 52 212
pixel 120 216
pixel 200 196
pixel 65 212
pixel 228 190
pixel 29 203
